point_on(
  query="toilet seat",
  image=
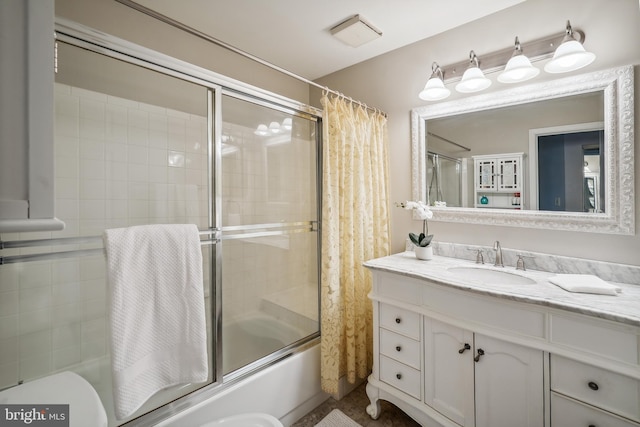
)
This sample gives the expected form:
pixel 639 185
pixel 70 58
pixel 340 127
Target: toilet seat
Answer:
pixel 85 407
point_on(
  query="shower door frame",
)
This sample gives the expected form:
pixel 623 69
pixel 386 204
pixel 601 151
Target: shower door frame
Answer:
pixel 461 176
pixel 85 37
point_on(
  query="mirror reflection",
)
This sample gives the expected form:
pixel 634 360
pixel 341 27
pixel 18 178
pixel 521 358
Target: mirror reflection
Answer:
pixel 503 131
pixel 529 156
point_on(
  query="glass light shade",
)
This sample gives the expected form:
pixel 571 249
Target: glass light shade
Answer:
pixel 569 56
pixel 274 127
pixel 262 130
pixel 473 80
pixel 518 69
pixel 287 123
pixel 434 90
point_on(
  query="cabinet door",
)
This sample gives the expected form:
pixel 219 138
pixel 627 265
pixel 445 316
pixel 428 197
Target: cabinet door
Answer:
pixel 509 384
pixel 509 174
pixel 448 356
pixel 485 174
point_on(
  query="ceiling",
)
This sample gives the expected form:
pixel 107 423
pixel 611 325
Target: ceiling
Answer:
pixel 295 34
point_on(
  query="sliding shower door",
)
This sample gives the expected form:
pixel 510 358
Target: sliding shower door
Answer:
pixel 269 215
pixel 444 179
pixel 131 149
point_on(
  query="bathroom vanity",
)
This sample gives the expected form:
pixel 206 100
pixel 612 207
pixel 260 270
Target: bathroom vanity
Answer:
pixel 463 344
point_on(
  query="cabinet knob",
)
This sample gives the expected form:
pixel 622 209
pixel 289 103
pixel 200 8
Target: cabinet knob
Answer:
pixel 399 376
pixel 463 349
pixel 480 353
pixel 398 320
pixel 398 348
pixel 593 386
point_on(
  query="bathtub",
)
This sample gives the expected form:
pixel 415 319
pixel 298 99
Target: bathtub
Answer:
pixel 288 390
pixel 254 336
pixel 299 374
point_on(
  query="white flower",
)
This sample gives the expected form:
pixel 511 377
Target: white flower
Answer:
pixel 422 209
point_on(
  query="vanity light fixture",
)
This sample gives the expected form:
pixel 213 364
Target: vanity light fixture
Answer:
pixel 434 90
pixel 570 55
pixel 261 130
pixel 565 48
pixel 519 68
pixel 274 127
pixel 473 79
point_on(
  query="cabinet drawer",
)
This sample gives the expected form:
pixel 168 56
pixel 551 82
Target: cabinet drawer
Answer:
pixel 493 312
pixel 400 320
pixel 567 412
pixel 607 390
pixel 400 348
pixel 399 288
pixel 400 376
pixel 596 337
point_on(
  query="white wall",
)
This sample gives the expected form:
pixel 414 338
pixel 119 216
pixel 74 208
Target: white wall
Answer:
pixel 392 82
pixel 122 21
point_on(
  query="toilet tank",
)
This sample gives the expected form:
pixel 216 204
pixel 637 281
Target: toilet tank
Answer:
pixel 85 407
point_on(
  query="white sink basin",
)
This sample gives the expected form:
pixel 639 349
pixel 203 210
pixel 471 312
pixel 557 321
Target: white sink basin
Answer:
pixel 486 275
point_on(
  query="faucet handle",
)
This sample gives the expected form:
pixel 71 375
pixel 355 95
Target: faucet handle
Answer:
pixel 479 255
pixel 520 262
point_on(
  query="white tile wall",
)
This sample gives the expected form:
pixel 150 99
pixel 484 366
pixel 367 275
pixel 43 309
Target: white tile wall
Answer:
pixel 112 170
pixel 264 183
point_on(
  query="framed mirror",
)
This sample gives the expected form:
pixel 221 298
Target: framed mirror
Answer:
pixel 506 143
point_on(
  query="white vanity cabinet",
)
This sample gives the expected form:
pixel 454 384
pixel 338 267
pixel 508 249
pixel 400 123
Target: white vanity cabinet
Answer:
pixel 498 180
pixel 451 357
pixel 505 380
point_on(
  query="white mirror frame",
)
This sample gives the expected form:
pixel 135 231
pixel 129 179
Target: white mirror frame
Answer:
pixel 618 87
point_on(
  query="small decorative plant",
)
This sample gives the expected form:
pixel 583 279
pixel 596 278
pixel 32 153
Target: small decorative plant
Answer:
pixel 424 213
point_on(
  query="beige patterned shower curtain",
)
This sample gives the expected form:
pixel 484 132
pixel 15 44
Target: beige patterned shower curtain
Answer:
pixel 355 228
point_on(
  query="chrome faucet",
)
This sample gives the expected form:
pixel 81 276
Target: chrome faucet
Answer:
pixel 498 249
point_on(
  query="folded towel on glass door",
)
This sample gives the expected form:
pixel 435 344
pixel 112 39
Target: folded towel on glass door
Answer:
pixel 157 315
pixel 584 283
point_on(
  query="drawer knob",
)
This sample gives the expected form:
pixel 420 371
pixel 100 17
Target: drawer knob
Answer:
pixel 480 353
pixel 399 376
pixel 398 320
pixel 398 348
pixel 593 386
pixel 463 349
pixel 592 425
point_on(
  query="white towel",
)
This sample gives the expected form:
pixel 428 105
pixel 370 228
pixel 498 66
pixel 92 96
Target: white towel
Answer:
pixel 157 315
pixel 584 283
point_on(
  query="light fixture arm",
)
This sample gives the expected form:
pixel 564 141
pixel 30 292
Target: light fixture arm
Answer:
pixel 518 50
pixel 436 71
pixel 473 60
pixel 569 33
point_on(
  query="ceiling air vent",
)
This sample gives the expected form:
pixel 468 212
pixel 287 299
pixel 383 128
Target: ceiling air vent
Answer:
pixel 355 31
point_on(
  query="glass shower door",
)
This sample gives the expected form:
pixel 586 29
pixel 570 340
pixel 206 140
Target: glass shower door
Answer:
pixel 131 149
pixel 269 217
pixel 444 182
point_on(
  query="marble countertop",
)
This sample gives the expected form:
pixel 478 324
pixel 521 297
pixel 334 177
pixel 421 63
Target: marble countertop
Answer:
pixel 623 307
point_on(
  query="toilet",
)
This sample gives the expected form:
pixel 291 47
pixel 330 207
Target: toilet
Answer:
pixel 246 420
pixel 85 407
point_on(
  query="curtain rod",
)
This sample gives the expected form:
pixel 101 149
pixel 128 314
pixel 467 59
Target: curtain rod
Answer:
pixel 449 141
pixel 152 13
